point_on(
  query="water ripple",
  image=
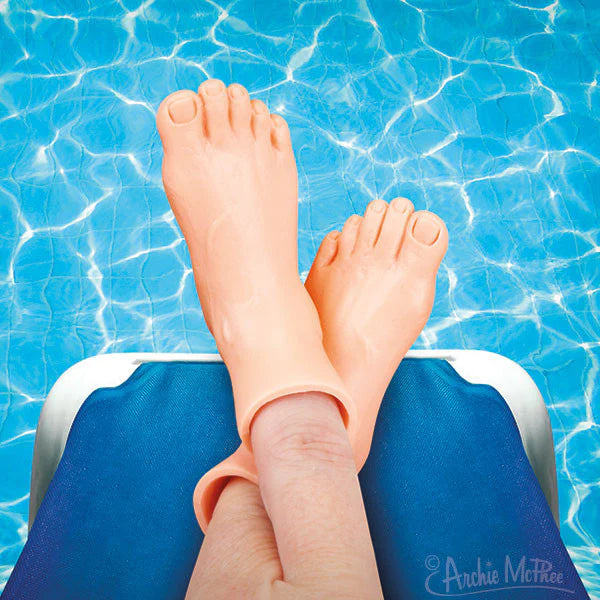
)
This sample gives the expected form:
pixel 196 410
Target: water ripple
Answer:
pixel 485 113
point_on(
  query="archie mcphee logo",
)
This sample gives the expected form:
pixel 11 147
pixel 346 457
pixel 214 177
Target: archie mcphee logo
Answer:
pixel 447 578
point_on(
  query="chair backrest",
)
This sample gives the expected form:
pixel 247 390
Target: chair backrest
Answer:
pixel 447 485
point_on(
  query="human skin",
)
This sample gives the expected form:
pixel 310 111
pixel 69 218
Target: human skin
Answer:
pixel 304 534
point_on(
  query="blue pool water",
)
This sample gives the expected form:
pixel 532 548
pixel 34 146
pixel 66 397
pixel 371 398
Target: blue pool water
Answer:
pixel 484 112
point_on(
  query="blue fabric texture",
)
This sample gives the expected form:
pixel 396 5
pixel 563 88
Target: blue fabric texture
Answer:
pixel 453 504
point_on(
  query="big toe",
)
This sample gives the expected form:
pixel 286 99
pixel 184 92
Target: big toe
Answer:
pixel 425 242
pixel 179 115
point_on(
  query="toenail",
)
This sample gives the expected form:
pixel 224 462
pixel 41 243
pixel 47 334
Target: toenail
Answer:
pixel 236 91
pixel 426 230
pixel 182 110
pixel 377 206
pixel 400 204
pixel 213 87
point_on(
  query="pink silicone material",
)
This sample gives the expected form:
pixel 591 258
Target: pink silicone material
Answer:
pixel 209 488
pixel 230 176
pixel 279 373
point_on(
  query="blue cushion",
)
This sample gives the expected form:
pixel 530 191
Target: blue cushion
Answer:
pixel 448 491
